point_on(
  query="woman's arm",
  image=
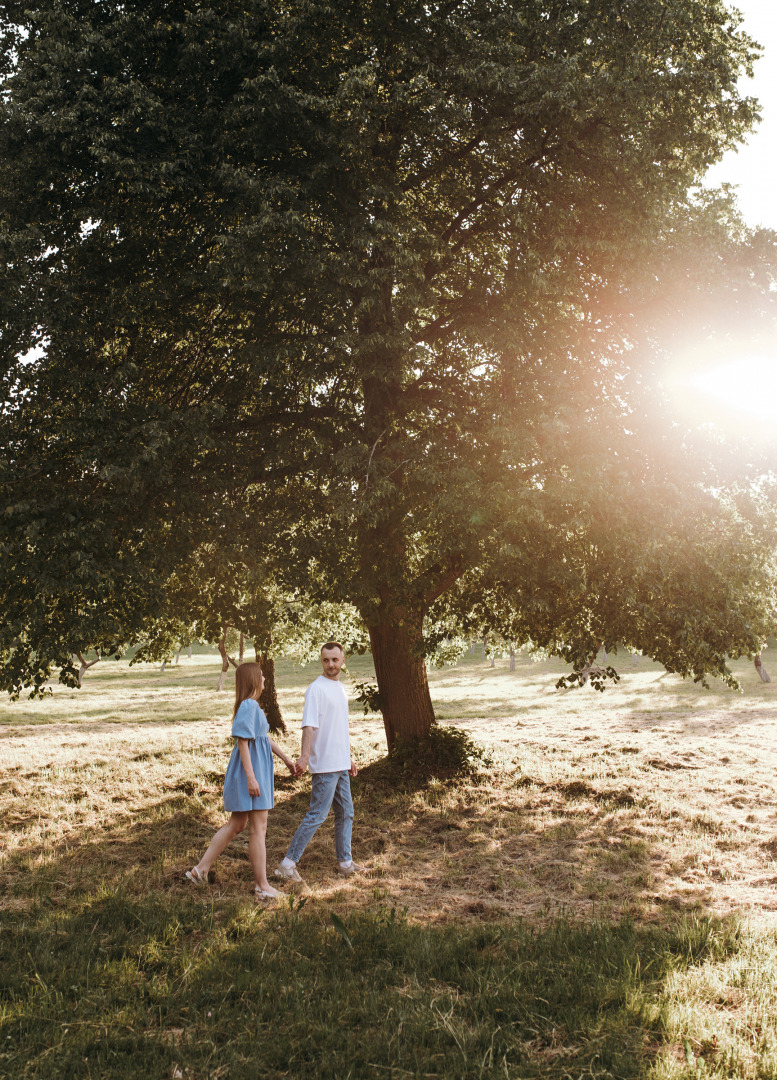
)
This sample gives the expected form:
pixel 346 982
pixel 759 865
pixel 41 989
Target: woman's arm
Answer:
pixel 279 752
pixel 245 757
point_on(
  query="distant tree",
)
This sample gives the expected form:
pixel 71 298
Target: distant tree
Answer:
pixel 84 665
pixel 763 674
pixel 392 269
pixel 221 596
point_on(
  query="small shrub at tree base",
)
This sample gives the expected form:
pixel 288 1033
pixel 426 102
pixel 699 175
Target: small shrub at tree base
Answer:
pixel 445 753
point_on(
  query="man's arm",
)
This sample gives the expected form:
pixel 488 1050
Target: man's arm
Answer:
pixel 307 739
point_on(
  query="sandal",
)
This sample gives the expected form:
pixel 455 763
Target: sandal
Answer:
pixel 263 894
pixel 196 877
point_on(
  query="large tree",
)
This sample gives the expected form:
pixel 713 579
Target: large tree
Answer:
pixel 357 259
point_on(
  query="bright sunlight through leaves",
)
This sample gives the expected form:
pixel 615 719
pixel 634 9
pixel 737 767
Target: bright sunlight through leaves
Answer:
pixel 748 384
pixel 735 392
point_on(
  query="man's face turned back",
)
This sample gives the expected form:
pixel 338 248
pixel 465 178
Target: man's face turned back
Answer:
pixel 332 661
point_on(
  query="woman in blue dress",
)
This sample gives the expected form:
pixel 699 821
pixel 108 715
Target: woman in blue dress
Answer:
pixel 249 786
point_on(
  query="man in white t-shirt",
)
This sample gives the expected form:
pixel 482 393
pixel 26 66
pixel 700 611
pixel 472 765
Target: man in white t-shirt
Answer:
pixel 326 752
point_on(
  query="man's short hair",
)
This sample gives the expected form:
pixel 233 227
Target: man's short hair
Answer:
pixel 333 645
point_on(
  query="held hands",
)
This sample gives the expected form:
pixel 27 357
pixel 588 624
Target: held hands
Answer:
pixel 298 767
pixel 253 787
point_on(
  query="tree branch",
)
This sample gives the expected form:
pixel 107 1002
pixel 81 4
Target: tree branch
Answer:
pixel 447 577
pixel 488 191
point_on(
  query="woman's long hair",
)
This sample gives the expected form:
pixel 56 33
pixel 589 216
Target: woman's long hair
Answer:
pixel 249 683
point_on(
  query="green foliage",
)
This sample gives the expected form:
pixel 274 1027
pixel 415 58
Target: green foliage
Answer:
pixel 597 676
pixel 368 695
pixel 367 299
pixel 442 646
pixel 683 576
pixel 341 929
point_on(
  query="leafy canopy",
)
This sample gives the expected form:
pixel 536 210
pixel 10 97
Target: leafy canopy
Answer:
pixel 401 270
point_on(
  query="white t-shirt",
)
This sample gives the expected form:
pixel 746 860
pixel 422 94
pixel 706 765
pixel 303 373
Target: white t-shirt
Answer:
pixel 326 709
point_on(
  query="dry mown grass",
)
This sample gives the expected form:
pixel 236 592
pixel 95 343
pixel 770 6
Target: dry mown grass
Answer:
pixel 657 794
pixel 655 801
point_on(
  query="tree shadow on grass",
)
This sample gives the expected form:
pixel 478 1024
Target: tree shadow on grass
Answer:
pixel 448 851
pixel 118 967
pixel 162 985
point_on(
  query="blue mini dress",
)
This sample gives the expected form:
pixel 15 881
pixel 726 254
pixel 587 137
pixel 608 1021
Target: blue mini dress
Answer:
pixel 250 723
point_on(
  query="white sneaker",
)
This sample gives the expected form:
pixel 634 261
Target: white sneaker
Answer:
pixel 288 874
pixel 347 871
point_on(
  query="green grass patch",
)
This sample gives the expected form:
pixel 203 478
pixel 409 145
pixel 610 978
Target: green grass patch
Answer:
pixel 171 986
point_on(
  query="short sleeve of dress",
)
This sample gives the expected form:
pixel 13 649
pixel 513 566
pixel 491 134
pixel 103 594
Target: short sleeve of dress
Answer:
pixel 243 726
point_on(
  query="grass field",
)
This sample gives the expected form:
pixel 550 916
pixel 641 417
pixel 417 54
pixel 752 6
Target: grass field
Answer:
pixel 599 901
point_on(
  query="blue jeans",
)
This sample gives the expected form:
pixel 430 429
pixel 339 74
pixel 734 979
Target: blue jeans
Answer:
pixel 328 788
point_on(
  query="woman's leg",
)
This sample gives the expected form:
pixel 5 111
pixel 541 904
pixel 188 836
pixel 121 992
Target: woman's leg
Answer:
pixel 235 825
pixel 257 851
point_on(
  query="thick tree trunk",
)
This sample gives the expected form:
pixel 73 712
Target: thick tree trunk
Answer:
pixel 401 674
pixel 759 667
pixel 189 653
pixel 241 654
pixel 269 699
pixel 512 658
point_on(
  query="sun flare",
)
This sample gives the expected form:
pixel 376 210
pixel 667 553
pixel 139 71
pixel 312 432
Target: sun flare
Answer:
pixel 747 385
pixel 737 392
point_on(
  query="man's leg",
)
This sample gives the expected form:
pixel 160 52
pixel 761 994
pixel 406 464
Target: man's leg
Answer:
pixel 343 808
pixel 321 794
